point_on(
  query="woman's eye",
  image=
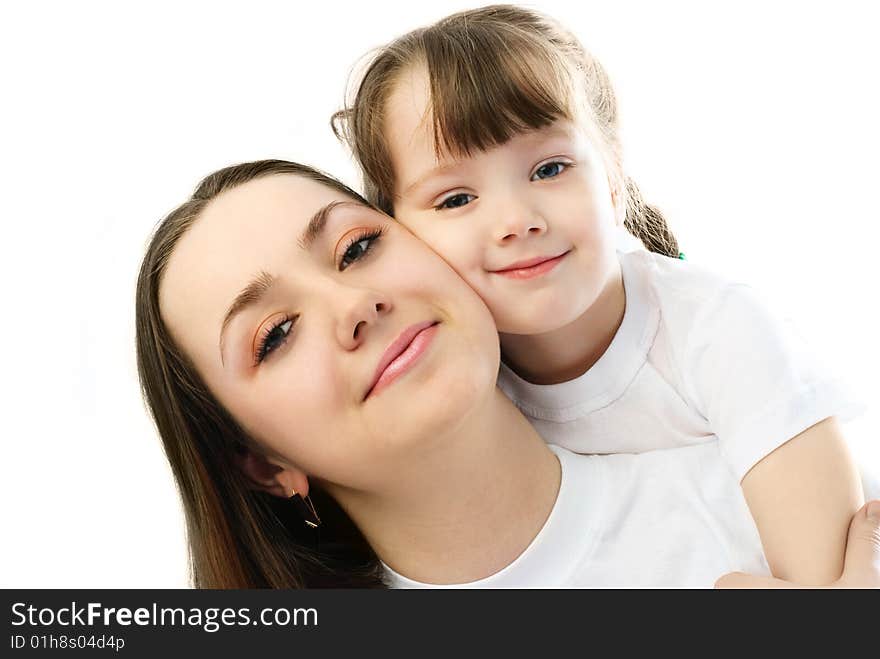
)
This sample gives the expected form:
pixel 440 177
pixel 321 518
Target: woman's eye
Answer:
pixel 274 338
pixel 356 251
pixel 455 201
pixel 550 170
pixel 358 248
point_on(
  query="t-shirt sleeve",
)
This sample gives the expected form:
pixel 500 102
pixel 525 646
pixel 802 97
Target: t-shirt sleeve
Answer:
pixel 755 379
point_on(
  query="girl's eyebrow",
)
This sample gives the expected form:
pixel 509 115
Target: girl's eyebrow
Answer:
pixel 551 132
pixel 431 173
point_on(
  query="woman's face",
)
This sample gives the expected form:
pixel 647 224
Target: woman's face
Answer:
pixel 336 338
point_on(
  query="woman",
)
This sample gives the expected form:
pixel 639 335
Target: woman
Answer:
pixel 292 340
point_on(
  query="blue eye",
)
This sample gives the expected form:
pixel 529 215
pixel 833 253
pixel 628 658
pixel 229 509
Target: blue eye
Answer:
pixel 455 201
pixel 549 170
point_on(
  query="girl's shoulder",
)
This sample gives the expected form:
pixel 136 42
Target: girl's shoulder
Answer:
pixel 691 300
pixel 675 281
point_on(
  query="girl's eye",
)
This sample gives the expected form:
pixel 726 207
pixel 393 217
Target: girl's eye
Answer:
pixel 359 246
pixel 273 338
pixel 549 170
pixel 455 201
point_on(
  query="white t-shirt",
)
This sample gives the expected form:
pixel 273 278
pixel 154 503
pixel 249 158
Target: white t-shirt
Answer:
pixel 696 358
pixel 670 518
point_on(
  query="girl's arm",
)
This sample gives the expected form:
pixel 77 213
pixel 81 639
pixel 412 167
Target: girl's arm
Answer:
pixel 803 497
pixel 862 569
pixel 774 407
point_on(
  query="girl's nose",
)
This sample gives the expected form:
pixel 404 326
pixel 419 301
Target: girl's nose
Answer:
pixel 518 221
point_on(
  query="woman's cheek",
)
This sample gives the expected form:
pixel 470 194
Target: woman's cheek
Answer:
pixel 302 406
pixel 303 376
pixel 321 375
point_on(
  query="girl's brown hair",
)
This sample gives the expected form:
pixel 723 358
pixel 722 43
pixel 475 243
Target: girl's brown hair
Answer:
pixel 238 537
pixel 494 72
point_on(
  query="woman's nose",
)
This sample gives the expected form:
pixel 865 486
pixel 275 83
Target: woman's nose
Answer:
pixel 361 311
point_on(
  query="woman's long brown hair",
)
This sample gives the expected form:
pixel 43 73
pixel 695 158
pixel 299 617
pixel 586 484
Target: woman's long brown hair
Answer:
pixel 494 72
pixel 238 537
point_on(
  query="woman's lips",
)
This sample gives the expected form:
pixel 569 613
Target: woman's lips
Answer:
pixel 531 267
pixel 402 354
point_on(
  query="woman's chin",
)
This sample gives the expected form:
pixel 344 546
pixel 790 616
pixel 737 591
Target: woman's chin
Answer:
pixel 433 401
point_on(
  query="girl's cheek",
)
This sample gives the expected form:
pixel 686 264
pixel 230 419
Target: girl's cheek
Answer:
pixel 462 255
pixel 407 217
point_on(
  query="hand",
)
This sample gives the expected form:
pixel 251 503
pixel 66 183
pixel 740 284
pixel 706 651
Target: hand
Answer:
pixel 861 564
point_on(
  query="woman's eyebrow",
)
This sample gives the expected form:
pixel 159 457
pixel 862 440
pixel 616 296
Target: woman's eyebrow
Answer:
pixel 316 225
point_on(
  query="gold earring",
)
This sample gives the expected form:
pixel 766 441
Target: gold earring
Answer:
pixel 308 512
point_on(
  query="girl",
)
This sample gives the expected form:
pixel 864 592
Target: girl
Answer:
pixel 492 135
pixel 293 341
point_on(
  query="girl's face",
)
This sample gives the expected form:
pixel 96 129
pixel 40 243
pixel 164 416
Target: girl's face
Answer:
pixel 337 339
pixel 529 224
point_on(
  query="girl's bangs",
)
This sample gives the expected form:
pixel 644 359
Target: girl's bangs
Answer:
pixel 486 89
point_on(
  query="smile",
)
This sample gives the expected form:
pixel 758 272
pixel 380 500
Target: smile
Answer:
pixel 403 353
pixel 531 268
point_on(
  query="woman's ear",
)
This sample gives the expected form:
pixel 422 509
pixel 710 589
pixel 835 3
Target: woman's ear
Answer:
pixel 269 477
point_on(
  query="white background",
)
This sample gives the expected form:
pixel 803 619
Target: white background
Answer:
pixel 754 126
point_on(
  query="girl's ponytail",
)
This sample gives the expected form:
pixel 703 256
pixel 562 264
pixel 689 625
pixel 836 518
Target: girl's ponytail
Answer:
pixel 647 223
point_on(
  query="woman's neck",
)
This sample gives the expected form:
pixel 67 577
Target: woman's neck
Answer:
pixel 570 351
pixel 468 503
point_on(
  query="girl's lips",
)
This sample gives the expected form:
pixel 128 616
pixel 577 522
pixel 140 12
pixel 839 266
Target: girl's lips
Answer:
pixel 402 354
pixel 531 268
